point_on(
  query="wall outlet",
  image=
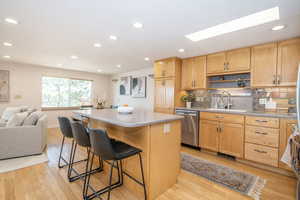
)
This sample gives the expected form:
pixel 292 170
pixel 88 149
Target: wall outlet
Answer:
pixel 262 101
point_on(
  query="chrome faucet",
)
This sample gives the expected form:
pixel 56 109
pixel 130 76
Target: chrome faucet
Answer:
pixel 228 95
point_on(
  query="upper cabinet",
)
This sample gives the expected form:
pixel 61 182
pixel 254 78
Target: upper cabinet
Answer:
pixel 167 74
pixel 165 68
pixel 238 60
pixel 234 61
pixel 193 73
pixel 216 63
pixel 264 65
pixel 288 62
pixel 275 64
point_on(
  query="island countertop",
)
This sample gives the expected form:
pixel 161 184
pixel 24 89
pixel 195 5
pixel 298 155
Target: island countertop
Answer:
pixel 137 119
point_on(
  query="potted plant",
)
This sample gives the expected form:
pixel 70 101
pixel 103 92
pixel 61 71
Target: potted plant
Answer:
pixel 188 98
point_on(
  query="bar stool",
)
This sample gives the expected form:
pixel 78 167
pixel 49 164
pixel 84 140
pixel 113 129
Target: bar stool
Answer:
pixel 66 130
pixel 114 151
pixel 81 137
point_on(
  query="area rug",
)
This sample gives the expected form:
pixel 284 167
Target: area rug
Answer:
pixel 242 182
pixel 22 162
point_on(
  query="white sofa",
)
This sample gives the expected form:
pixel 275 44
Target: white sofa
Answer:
pixel 23 140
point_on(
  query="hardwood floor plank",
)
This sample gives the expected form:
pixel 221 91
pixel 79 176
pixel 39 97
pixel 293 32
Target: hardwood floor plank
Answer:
pixel 45 181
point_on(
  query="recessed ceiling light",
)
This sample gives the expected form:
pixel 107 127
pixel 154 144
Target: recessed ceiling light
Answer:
pixel 6 56
pixel 147 59
pixel 59 65
pixel 99 70
pixel 97 45
pixel 277 28
pixel 7 44
pixel 255 19
pixel 74 57
pixel 113 37
pixel 118 66
pixel 181 50
pixel 11 21
pixel 137 25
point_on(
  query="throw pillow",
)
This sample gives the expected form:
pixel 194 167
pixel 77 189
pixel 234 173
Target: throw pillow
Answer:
pixel 17 119
pixel 32 118
pixel 9 112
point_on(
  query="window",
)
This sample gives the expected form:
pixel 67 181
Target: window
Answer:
pixel 64 92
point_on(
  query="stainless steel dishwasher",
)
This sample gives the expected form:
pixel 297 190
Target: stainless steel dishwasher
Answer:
pixel 189 127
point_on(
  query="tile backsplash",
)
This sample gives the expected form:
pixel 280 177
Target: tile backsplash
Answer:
pixel 262 99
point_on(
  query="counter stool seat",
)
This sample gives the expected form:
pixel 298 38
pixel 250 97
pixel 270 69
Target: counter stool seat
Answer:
pixel 112 152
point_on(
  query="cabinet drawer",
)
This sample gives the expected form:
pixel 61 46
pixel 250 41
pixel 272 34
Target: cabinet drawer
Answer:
pixel 238 119
pixel 263 136
pixel 262 121
pixel 261 154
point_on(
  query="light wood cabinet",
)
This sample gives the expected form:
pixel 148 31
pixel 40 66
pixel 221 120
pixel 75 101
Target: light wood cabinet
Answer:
pixel 164 95
pixel 264 65
pixel 263 136
pixel 209 135
pixel 262 121
pixel 275 64
pixel 216 63
pixel 218 134
pixel 286 129
pixel 194 73
pixel 187 74
pixel 261 154
pixel 231 137
pixel 167 74
pixel 233 61
pixel 238 60
pixel 288 62
pixel 165 68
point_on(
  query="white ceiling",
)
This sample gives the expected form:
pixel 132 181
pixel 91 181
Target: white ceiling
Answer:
pixel 50 31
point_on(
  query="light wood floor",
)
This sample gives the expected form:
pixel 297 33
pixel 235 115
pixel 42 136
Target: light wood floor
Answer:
pixel 45 181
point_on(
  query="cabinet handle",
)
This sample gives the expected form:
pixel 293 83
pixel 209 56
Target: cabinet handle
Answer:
pixel 194 83
pixel 264 121
pixel 278 79
pixel 227 68
pixel 259 151
pixel 219 117
pixel 274 79
pixel 163 83
pixel 261 133
pixel 224 66
pixel 217 129
pixel 163 73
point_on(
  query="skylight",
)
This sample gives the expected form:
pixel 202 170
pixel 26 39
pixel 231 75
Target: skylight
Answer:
pixel 255 19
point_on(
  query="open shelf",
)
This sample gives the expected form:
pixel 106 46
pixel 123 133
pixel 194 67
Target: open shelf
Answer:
pixel 227 81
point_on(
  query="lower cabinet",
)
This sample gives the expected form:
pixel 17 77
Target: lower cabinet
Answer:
pixel 261 154
pixel 227 138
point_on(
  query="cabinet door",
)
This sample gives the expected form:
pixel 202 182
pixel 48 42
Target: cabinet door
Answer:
pixel 187 79
pixel 160 94
pixel 208 135
pixel 288 62
pixel 263 65
pixel 286 129
pixel 215 63
pixel 199 72
pixel 169 68
pixel 169 94
pixel 232 139
pixel 238 60
pixel 158 69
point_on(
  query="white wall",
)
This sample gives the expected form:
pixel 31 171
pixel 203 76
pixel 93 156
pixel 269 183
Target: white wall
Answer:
pixel 137 103
pixel 25 81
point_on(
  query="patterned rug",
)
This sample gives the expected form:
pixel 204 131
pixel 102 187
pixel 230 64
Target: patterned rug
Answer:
pixel 242 182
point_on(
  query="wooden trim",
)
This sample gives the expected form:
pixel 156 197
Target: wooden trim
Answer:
pixel 225 73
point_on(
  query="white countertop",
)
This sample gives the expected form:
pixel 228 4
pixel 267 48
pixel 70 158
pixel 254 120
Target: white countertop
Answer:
pixel 137 119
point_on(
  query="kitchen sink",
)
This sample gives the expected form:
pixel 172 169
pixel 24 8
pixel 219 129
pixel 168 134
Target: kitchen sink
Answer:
pixel 226 110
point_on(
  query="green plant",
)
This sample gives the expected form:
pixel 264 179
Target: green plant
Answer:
pixel 188 98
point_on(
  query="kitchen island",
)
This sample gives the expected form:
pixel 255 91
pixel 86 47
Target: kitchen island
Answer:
pixel 157 135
